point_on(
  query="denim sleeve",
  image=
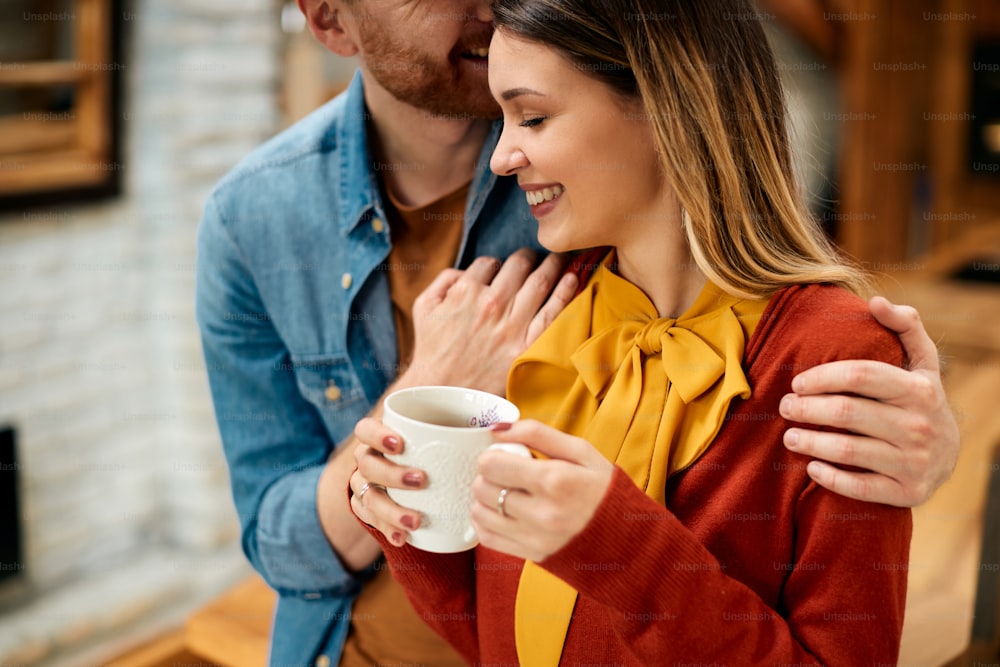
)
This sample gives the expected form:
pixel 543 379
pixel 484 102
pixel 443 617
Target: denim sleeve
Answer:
pixel 275 442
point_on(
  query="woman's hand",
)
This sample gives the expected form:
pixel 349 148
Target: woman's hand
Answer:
pixel 547 502
pixel 375 474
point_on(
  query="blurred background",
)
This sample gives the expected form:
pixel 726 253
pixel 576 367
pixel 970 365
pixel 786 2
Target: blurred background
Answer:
pixel 118 539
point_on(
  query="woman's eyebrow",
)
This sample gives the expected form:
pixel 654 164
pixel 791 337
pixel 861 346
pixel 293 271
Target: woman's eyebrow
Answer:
pixel 508 95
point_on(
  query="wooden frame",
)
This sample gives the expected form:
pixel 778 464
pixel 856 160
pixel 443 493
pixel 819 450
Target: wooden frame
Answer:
pixel 75 154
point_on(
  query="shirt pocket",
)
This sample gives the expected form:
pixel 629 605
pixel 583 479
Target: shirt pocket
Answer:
pixel 330 384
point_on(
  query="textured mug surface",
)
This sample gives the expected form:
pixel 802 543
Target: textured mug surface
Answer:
pixel 444 431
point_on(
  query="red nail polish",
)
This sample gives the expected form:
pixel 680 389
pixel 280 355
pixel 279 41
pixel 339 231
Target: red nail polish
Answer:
pixel 500 426
pixel 413 479
pixel 409 521
pixel 397 538
pixel 391 443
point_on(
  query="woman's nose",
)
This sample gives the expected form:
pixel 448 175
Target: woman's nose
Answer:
pixel 507 159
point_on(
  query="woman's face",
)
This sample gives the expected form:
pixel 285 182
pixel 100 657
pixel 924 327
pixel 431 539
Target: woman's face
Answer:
pixel 585 157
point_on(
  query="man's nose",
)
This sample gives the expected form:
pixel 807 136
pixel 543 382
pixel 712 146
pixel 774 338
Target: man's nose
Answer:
pixel 484 11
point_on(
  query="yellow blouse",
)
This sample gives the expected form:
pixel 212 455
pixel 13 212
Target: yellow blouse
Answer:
pixel 650 393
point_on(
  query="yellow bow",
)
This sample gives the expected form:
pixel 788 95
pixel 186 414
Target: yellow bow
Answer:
pixel 650 393
pixel 691 364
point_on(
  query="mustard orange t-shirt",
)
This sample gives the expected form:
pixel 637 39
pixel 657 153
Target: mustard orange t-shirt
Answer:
pixel 385 630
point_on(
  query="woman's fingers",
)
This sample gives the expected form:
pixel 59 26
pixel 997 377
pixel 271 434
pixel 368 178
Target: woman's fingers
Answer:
pixel 549 442
pixel 372 504
pixel 380 470
pixel 378 436
pixel 504 501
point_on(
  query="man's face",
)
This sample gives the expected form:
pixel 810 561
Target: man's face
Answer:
pixel 431 54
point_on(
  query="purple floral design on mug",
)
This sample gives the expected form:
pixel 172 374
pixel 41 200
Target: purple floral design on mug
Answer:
pixel 486 418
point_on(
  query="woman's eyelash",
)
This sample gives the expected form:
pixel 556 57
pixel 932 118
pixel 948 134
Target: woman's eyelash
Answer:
pixel 532 122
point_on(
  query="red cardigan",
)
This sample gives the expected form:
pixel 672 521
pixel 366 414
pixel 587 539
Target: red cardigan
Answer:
pixel 749 563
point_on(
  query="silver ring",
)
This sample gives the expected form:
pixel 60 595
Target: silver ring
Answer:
pixel 366 487
pixel 501 499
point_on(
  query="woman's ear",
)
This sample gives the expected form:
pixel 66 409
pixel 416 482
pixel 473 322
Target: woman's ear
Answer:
pixel 329 21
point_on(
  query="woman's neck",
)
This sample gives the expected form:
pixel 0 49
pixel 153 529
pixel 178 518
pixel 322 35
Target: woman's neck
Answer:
pixel 662 266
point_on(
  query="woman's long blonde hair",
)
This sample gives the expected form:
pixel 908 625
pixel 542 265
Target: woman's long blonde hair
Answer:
pixel 709 85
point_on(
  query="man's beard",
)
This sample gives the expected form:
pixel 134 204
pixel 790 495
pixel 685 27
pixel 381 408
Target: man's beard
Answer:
pixel 440 88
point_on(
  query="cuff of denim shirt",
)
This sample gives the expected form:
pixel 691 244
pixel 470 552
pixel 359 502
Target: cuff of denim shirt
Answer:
pixel 295 556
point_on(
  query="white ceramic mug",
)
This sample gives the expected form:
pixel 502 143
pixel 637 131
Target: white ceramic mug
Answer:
pixel 444 430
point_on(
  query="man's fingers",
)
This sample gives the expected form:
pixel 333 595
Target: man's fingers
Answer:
pixel 851 413
pixel 905 321
pixel 561 296
pixel 873 379
pixel 536 288
pixel 482 270
pixel 864 486
pixel 512 275
pixel 436 291
pixel 847 449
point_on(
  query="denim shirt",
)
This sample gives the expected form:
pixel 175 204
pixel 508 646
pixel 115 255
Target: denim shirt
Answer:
pixel 299 340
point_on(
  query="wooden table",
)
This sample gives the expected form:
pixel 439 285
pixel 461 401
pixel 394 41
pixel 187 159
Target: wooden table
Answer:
pixel 234 630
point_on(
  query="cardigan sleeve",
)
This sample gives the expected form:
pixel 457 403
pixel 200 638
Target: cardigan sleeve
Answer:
pixel 441 588
pixel 660 586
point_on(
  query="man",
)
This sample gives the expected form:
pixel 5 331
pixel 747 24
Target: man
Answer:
pixel 311 255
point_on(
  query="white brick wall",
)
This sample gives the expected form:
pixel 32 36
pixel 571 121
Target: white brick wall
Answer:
pixel 100 369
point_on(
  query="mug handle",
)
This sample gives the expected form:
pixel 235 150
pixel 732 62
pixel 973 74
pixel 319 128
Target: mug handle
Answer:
pixel 511 448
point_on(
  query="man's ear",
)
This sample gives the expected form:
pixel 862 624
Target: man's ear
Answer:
pixel 326 19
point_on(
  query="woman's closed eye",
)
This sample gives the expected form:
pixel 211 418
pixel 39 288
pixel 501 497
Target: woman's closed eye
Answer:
pixel 532 122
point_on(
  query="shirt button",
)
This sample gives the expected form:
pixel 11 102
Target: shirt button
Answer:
pixel 378 225
pixel 323 661
pixel 345 281
pixel 333 392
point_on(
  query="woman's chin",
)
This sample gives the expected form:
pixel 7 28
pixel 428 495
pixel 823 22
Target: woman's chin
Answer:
pixel 557 244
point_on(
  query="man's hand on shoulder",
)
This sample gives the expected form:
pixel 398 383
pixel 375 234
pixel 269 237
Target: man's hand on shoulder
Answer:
pixel 470 325
pixel 904 435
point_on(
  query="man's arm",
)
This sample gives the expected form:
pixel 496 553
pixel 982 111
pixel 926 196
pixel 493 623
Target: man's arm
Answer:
pixel 905 435
pixel 274 440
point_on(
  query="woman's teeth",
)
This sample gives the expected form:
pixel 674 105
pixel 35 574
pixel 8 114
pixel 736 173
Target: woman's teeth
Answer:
pixel 480 53
pixel 536 197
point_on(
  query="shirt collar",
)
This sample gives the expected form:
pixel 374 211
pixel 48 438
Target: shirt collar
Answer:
pixel 358 184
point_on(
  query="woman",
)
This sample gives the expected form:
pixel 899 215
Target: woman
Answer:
pixel 664 523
